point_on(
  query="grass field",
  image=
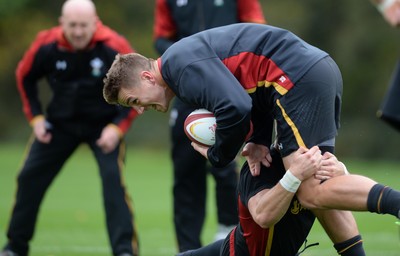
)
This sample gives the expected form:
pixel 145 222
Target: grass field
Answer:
pixel 71 221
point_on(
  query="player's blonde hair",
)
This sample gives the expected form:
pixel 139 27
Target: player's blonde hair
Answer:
pixel 124 73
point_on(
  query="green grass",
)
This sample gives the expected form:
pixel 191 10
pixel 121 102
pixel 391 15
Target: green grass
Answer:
pixel 71 220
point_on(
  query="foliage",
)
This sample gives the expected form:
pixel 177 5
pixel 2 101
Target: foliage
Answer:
pixel 9 7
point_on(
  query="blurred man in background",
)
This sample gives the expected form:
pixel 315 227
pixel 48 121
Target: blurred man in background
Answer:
pixel 175 20
pixel 73 57
pixel 390 109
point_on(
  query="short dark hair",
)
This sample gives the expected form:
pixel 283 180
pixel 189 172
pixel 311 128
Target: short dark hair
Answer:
pixel 124 72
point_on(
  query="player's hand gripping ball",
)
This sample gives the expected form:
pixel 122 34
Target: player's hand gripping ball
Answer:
pixel 200 126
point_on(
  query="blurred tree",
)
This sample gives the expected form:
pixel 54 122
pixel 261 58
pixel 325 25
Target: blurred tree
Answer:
pixel 8 7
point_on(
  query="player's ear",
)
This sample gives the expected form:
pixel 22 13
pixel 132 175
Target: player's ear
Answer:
pixel 148 76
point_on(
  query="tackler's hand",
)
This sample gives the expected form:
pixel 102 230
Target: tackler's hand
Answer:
pixel 306 162
pixel 201 149
pixel 256 155
pixel 330 167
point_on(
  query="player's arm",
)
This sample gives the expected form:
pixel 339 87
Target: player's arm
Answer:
pixel 250 11
pixel 256 151
pixel 112 133
pixel 164 30
pixel 209 84
pixel 30 70
pixel 256 155
pixel 268 206
pixel 390 10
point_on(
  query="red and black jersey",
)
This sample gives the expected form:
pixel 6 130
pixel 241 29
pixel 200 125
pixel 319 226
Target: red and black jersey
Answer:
pixel 237 72
pixel 175 20
pixel 75 78
pixel 285 237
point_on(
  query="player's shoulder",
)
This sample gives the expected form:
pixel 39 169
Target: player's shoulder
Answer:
pixel 44 38
pixel 112 38
pixel 48 35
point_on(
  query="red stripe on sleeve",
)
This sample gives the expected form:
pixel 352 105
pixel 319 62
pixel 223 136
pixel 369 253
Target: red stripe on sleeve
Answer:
pixel 25 65
pixel 126 122
pixel 164 25
pixel 232 242
pixel 250 11
pixel 112 39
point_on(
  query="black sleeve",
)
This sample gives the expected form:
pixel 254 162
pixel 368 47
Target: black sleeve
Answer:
pixel 162 44
pixel 250 185
pixel 263 124
pixel 28 74
pixel 209 84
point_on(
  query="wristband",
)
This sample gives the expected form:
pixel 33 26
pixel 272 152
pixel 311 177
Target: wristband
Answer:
pixel 290 182
pixel 384 4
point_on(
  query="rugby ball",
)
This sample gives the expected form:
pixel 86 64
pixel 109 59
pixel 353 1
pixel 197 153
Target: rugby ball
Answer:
pixel 200 126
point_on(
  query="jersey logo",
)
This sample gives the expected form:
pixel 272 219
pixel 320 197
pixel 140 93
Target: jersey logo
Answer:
pixel 282 79
pixel 61 65
pixel 181 3
pixel 96 65
pixel 296 207
pixel 218 2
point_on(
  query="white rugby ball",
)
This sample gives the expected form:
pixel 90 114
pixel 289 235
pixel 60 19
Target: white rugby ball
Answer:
pixel 200 126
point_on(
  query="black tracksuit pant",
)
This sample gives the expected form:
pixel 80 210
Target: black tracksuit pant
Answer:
pixel 43 163
pixel 190 185
pixel 390 106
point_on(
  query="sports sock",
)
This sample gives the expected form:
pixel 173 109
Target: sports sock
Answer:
pixel 383 199
pixel 351 247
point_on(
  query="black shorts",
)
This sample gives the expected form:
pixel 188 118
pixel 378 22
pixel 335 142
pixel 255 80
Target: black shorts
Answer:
pixel 309 113
pixel 390 108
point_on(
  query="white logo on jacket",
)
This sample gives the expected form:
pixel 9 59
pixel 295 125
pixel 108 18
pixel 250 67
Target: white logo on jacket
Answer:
pixel 96 65
pixel 218 2
pixel 61 65
pixel 181 3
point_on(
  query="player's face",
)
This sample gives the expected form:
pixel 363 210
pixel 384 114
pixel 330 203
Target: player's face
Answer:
pixel 144 96
pixel 78 28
